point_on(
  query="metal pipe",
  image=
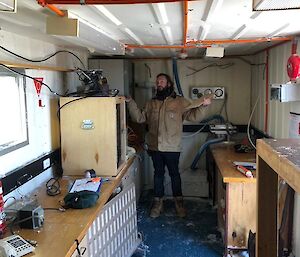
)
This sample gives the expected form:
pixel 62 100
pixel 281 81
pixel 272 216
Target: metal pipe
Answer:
pixel 238 41
pixel 93 2
pixel 267 92
pixel 56 10
pixel 162 46
pixel 185 21
pixel 53 8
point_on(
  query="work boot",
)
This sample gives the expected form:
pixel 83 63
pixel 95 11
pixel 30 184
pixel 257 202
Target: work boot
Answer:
pixel 179 207
pixel 157 207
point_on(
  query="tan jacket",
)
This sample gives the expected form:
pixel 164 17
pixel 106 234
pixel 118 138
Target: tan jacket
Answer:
pixel 164 119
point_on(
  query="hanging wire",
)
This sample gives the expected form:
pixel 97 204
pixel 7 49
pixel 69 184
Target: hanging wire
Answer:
pixel 27 76
pixel 44 59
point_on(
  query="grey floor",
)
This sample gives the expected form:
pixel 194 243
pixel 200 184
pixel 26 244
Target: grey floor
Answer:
pixel 170 236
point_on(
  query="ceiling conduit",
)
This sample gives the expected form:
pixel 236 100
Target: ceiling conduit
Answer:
pixel 208 43
pixel 93 2
pixel 51 7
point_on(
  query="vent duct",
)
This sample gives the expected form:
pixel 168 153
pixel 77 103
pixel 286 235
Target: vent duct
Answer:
pixel 270 5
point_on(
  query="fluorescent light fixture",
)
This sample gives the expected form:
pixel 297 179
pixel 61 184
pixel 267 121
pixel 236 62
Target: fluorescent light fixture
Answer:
pixel 240 32
pixel 278 31
pixel 167 31
pixel 204 31
pixel 268 5
pixel 134 36
pixel 213 9
pixel 8 5
pixel 108 14
pixel 163 12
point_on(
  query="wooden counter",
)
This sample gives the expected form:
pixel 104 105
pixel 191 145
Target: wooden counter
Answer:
pixel 60 230
pixel 236 196
pixel 275 157
pixel 224 156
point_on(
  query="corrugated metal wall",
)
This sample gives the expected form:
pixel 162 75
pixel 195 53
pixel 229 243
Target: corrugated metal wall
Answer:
pixel 278 117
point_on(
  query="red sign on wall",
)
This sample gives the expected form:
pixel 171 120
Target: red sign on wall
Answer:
pixel 38 85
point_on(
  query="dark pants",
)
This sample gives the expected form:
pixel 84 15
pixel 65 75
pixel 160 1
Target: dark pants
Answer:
pixel 171 160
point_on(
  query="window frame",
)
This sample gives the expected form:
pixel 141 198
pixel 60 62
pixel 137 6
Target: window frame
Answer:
pixel 21 81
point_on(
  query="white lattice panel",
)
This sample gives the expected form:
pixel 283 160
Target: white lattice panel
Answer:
pixel 114 232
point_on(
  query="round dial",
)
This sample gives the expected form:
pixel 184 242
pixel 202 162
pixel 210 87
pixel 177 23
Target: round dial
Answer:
pixel 199 95
pixel 195 91
pixel 208 91
pixel 219 92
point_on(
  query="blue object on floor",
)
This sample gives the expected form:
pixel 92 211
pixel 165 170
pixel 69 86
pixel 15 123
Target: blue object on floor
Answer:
pixel 171 236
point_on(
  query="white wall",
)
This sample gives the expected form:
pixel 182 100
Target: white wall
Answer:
pixel 278 118
pixel 237 82
pixel 43 126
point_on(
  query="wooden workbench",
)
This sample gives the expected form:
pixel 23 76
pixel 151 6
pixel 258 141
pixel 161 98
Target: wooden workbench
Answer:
pixel 236 196
pixel 275 157
pixel 60 230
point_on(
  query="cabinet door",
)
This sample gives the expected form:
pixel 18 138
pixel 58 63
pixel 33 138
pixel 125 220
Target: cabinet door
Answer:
pixel 83 249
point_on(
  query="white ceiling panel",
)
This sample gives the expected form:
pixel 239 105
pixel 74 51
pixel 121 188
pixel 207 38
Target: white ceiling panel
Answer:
pixel 159 25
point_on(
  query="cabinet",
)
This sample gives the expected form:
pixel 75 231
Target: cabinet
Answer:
pixel 275 157
pixel 235 197
pixel 93 135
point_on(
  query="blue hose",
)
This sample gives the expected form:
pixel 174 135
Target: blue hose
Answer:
pixel 175 71
pixel 202 149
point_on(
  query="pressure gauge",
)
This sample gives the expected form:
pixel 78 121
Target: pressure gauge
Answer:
pixel 208 91
pixel 219 92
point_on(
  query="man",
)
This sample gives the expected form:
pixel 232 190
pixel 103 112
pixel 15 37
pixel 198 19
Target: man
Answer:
pixel 164 115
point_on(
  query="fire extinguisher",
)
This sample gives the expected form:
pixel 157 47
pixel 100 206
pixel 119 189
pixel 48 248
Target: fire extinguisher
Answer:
pixel 2 213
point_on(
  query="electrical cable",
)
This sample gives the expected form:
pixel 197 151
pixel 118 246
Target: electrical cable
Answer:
pixel 175 71
pixel 77 99
pixel 27 76
pixel 221 66
pixel 53 187
pixel 44 59
pixel 249 121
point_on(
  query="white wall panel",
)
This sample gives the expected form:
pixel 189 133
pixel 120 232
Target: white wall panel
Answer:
pixel 43 126
pixel 278 121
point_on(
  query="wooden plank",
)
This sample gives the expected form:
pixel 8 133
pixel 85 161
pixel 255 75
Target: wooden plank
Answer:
pixel 35 67
pixel 224 156
pixel 241 213
pixel 283 156
pixel 267 197
pixel 61 229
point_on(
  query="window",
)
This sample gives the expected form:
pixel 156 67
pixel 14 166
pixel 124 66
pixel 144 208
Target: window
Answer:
pixel 13 130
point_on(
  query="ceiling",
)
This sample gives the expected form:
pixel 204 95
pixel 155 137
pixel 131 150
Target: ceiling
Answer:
pixel 166 29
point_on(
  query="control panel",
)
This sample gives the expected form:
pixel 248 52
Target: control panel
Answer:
pixel 197 92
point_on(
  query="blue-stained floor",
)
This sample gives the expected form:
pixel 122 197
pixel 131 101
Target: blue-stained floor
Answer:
pixel 170 236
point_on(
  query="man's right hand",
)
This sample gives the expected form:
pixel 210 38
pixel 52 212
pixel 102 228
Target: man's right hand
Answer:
pixel 128 99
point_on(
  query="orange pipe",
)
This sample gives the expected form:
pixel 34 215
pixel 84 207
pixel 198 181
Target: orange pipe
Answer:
pixel 93 2
pixel 267 92
pixel 55 9
pixel 185 21
pixel 239 41
pixel 162 46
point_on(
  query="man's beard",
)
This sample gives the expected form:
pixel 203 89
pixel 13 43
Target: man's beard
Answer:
pixel 164 93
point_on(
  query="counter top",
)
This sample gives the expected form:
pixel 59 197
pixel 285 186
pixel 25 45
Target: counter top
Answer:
pixel 61 229
pixel 283 156
pixel 224 156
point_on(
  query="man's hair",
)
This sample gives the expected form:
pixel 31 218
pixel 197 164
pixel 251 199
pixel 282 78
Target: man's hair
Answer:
pixel 168 78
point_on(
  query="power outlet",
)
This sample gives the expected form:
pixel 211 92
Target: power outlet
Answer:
pixel 46 163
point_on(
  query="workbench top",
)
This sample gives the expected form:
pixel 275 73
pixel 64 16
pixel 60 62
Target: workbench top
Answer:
pixel 60 230
pixel 283 156
pixel 224 156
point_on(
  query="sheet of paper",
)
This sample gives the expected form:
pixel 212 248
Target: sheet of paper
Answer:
pixel 90 184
